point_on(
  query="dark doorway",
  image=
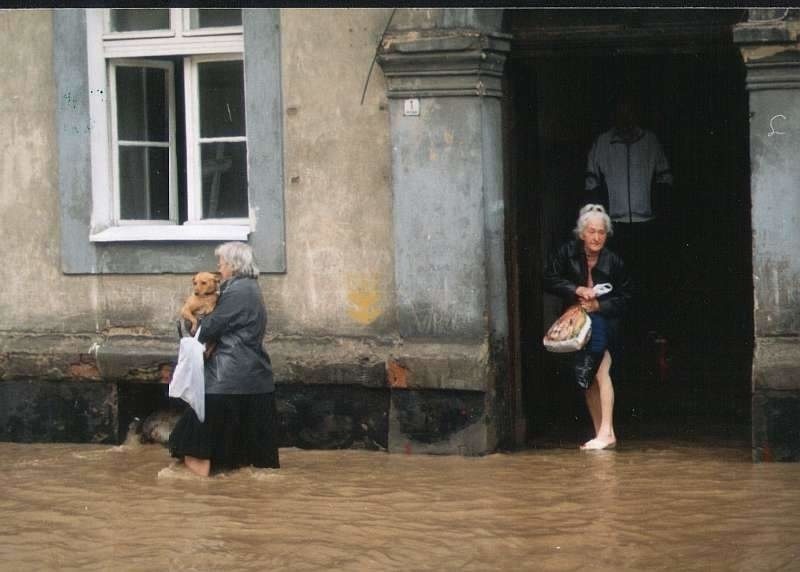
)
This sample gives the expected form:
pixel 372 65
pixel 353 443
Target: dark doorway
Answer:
pixel 564 74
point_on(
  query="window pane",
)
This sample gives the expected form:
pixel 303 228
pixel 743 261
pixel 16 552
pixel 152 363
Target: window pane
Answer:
pixel 142 108
pixel 144 183
pixel 139 19
pixel 224 168
pixel 215 17
pixel 221 89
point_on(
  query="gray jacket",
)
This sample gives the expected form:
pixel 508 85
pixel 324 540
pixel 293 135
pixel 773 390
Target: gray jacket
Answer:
pixel 239 364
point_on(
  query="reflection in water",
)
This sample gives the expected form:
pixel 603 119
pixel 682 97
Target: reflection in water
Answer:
pixel 646 506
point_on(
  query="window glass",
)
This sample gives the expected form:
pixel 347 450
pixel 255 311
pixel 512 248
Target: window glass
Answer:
pixel 144 182
pixel 221 88
pixel 139 19
pixel 142 113
pixel 215 17
pixel 143 142
pixel 224 174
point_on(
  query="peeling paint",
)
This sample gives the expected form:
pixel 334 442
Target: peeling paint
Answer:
pixel 84 368
pixel 397 374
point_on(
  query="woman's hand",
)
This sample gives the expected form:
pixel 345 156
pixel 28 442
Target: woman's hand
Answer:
pixel 585 293
pixel 590 305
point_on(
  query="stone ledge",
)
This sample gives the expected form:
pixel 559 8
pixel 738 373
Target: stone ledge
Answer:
pixel 296 360
pixel 408 365
pixel 49 357
pixel 137 358
pixel 776 364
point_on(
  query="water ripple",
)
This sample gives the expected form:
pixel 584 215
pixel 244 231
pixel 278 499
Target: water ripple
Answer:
pixel 648 507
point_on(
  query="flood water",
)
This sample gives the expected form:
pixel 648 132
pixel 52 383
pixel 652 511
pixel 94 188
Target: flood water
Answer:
pixel 645 506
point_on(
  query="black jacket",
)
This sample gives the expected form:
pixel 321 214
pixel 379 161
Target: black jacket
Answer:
pixel 567 269
pixel 239 363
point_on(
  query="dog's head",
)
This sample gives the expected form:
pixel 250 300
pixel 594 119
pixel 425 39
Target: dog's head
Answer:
pixel 205 283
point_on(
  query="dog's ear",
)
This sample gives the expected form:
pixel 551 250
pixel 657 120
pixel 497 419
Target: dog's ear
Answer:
pixel 217 276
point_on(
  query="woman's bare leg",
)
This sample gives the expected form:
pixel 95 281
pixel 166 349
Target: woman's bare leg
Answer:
pixel 605 436
pixel 593 405
pixel 201 467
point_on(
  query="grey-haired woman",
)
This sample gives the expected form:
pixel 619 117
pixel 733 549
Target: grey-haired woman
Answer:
pixel 240 421
pixel 571 274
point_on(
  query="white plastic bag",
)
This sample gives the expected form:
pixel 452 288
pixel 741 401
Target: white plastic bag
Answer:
pixel 572 330
pixel 188 380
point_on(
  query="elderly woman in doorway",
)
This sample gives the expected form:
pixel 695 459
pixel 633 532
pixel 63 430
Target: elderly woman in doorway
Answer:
pixel 571 274
pixel 240 416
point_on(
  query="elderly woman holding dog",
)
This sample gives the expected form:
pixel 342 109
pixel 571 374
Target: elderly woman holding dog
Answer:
pixel 571 274
pixel 240 416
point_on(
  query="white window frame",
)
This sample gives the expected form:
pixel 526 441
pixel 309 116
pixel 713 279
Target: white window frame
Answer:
pixel 158 33
pixel 225 43
pixel 170 145
pixel 208 31
pixel 194 201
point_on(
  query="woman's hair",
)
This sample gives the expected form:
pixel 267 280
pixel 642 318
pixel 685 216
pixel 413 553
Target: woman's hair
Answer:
pixel 239 257
pixel 589 211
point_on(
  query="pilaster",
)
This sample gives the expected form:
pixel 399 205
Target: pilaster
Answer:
pixel 444 86
pixel 769 44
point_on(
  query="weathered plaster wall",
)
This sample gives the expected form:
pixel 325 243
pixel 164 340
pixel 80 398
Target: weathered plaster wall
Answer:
pixel 38 298
pixel 340 274
pixel 333 314
pixel 337 168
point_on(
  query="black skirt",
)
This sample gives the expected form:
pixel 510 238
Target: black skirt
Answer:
pixel 239 431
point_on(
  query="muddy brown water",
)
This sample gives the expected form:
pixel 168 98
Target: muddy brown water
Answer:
pixel 646 506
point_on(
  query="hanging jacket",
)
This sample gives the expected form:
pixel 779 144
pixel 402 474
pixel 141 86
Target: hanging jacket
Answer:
pixel 630 170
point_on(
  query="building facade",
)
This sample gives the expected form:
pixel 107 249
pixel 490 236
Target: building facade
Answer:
pixel 387 167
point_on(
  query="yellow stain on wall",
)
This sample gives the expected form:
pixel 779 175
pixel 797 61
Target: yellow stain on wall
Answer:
pixel 364 299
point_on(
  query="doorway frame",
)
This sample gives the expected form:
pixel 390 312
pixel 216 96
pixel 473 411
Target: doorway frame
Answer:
pixel 678 35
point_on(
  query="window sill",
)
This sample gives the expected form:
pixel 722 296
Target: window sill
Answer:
pixel 174 233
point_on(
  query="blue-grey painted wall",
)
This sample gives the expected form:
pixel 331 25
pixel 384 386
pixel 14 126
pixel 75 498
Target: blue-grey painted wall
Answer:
pixel 770 42
pixel 775 188
pixel 440 270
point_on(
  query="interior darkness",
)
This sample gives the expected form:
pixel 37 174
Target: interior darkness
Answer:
pixel 695 102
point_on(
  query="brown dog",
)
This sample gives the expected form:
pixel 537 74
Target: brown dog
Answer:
pixel 205 292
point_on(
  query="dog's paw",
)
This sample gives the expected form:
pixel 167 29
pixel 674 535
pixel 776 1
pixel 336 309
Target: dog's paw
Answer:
pixel 184 327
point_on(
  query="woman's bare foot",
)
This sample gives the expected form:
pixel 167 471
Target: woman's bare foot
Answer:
pixel 200 467
pixel 597 444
